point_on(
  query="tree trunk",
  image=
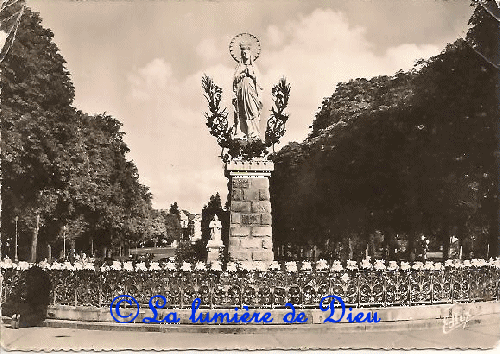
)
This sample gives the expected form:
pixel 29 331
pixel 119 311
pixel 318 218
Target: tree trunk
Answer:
pixel 34 240
pixel 445 238
pixel 72 250
pixel 494 240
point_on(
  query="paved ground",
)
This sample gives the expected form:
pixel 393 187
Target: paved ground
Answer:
pixel 475 335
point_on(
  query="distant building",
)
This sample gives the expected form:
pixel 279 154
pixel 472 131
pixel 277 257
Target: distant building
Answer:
pixel 195 227
pixel 184 218
pixel 185 226
pixel 191 225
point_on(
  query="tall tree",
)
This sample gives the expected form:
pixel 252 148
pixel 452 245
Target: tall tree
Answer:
pixel 65 173
pixel 406 154
pixel 174 209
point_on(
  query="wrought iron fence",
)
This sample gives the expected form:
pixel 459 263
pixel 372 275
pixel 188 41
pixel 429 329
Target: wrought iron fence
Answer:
pixel 270 289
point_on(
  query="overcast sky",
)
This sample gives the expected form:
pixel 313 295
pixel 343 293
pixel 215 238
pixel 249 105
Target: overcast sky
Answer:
pixel 142 62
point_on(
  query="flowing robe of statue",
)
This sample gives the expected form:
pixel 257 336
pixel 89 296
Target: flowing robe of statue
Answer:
pixel 247 102
pixel 215 229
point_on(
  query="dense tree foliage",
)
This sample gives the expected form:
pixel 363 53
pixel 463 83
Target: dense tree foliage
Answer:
pixel 65 173
pixel 401 156
pixel 174 209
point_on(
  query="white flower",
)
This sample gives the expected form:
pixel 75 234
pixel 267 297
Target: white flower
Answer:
pixel 56 266
pixel 78 266
pixel 6 263
pixel 260 266
pixel 379 265
pixel 417 265
pixel 170 266
pixel 141 267
pixel 247 266
pixel 321 264
pixel 405 265
pixel 494 262
pixel 89 266
pixel 497 263
pixel 186 267
pixel 44 264
pixel 231 267
pixel 429 265
pixel 291 266
pixel 448 263
pixel 365 263
pixel 393 265
pixel 337 266
pixel 466 263
pixel 116 265
pixel 200 266
pixel 479 262
pixel 274 266
pixel 306 266
pixel 128 266
pixel 68 266
pixel 22 265
pixel 438 266
pixel 216 266
pixel 345 277
pixel 352 265
pixel 104 268
pixel 154 266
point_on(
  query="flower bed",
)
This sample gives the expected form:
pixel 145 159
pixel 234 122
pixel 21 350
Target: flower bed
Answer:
pixel 263 286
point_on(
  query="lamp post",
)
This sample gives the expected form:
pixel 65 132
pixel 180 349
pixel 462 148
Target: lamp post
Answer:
pixel 64 242
pixel 15 242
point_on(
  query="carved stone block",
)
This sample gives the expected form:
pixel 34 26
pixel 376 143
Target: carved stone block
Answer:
pixel 261 207
pixel 255 243
pixel 235 218
pixel 241 182
pixel 266 256
pixel 239 231
pixel 266 219
pixel 241 207
pixel 250 219
pixel 262 231
pixel 251 194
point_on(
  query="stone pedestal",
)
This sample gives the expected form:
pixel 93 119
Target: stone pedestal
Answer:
pixel 250 231
pixel 214 248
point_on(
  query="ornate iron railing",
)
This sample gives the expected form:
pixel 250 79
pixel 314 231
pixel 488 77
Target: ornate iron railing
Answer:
pixel 269 289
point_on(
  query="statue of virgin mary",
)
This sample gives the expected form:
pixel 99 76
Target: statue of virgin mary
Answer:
pixel 247 103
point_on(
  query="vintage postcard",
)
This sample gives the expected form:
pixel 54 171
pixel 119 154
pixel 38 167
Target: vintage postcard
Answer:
pixel 249 175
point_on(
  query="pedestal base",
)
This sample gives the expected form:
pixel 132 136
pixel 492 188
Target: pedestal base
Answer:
pixel 250 232
pixel 214 249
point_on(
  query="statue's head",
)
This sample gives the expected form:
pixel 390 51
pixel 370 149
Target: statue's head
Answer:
pixel 245 49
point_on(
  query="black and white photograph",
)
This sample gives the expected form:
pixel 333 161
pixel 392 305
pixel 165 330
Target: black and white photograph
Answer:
pixel 233 175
